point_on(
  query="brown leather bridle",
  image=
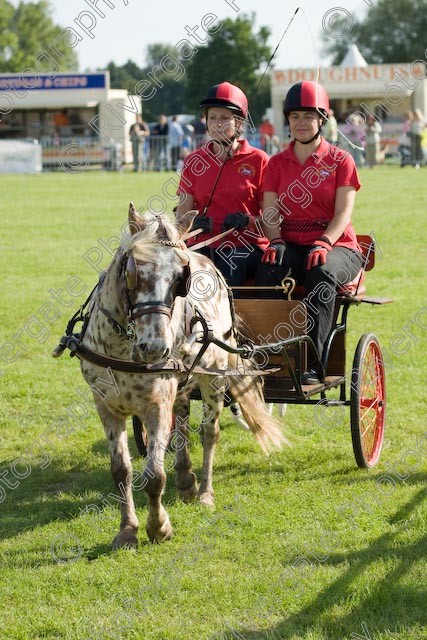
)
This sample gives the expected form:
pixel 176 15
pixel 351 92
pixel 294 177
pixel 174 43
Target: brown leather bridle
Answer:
pixel 135 311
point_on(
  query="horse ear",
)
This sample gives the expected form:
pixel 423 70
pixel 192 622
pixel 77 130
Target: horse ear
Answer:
pixel 185 221
pixel 136 222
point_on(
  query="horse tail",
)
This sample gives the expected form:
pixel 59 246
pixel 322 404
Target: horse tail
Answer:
pixel 246 390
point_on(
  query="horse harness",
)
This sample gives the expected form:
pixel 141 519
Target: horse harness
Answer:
pixel 74 341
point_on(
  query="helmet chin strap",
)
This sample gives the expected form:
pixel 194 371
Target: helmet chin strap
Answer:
pixel 229 140
pixel 225 143
pixel 316 135
pixel 228 143
pixel 311 139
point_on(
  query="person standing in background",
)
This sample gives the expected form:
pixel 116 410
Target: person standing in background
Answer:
pixel 354 132
pixel 372 143
pixel 404 141
pixel 266 131
pixel 330 128
pixel 138 133
pixel 417 126
pixel 176 139
pixel 158 143
pixel 200 131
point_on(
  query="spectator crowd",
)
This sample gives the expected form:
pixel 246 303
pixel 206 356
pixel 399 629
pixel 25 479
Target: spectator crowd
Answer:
pixel 165 145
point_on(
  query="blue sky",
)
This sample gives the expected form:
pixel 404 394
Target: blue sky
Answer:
pixel 131 25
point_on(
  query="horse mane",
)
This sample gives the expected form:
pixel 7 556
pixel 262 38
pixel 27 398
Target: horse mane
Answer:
pixel 144 244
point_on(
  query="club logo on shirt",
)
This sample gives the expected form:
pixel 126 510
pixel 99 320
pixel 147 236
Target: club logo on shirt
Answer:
pixel 326 172
pixel 246 170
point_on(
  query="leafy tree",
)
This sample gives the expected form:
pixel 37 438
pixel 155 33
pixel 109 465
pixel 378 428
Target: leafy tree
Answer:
pixel 170 86
pixel 8 39
pixel 27 31
pixel 234 53
pixel 393 31
pixel 261 100
pixel 157 52
pixel 126 76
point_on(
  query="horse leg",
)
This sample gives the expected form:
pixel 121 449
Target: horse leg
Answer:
pixel 186 481
pixel 213 402
pixel 121 470
pixel 157 420
pixel 139 435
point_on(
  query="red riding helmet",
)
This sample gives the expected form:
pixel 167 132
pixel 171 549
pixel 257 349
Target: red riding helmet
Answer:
pixel 306 96
pixel 226 95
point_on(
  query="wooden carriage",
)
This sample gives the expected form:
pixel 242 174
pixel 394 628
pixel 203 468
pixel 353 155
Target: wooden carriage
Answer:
pixel 278 328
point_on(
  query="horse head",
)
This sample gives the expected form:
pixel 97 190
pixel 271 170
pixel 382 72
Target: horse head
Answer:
pixel 156 265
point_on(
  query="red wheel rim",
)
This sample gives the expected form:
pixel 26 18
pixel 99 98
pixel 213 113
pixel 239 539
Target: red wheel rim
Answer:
pixel 372 403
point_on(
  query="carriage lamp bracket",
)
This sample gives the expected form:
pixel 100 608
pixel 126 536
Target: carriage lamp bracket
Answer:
pixel 288 285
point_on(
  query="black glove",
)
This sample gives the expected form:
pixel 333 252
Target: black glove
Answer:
pixel 236 221
pixel 202 222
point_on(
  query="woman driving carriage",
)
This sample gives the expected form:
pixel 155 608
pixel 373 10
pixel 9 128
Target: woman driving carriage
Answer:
pixel 222 180
pixel 309 193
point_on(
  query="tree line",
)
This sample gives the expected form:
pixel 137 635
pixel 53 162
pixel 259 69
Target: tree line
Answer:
pixel 173 82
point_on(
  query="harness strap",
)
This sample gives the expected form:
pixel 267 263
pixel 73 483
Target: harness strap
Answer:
pixel 171 366
pixel 84 353
pixel 144 308
pixel 118 328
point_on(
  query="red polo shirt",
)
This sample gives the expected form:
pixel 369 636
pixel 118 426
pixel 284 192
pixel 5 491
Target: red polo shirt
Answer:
pixel 238 189
pixel 306 192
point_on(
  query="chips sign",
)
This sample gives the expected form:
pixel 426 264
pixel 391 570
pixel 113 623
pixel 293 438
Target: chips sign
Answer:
pixel 33 82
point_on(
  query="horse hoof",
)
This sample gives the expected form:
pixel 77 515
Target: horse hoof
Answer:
pixel 188 491
pixel 207 500
pixel 188 495
pixel 160 534
pixel 126 538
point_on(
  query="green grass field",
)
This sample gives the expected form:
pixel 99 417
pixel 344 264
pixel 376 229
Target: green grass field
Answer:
pixel 303 545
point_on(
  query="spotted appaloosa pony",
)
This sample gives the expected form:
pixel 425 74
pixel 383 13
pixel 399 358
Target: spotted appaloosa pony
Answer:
pixel 144 283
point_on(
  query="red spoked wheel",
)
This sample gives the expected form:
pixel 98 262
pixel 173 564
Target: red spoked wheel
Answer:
pixel 367 401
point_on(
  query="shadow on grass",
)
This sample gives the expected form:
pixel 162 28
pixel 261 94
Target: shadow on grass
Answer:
pixel 61 494
pixel 389 604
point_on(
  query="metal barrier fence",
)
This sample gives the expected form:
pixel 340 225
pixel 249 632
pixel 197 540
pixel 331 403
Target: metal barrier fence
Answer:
pixel 80 153
pixel 155 153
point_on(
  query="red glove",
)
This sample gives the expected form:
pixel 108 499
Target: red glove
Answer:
pixel 274 252
pixel 318 252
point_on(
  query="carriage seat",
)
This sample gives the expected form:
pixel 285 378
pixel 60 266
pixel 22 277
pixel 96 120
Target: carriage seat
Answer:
pixel 352 290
